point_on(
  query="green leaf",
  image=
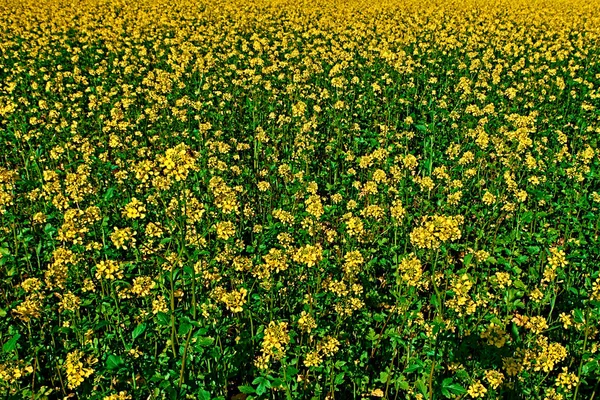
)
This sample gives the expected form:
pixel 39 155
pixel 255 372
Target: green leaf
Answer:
pixel 339 378
pixel 109 194
pixel 163 318
pixel 467 260
pixel 291 371
pixel 246 389
pixel 379 317
pixel 383 376
pixel 114 362
pixel 519 284
pixel 521 260
pixel 263 385
pixel 184 328
pixel 11 344
pixel 204 341
pixel 258 380
pixel 578 316
pixel 422 387
pixel 415 366
pixel 435 301
pixel 276 382
pixel 372 336
pixel 449 388
pixel 456 389
pixel 204 394
pixel 590 367
pixel 138 330
pixel 403 385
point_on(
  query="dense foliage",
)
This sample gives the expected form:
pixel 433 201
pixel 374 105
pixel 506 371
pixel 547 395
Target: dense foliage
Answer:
pixel 298 199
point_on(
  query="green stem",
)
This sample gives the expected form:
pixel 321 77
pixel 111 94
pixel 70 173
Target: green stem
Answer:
pixel 431 380
pixel 172 296
pixel 437 291
pixel 184 358
pixel 582 355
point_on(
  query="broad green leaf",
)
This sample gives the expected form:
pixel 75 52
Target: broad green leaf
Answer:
pixel 163 318
pixel 114 362
pixel 138 330
pixel 11 344
pixel 246 389
pixel 184 328
pixel 204 341
pixel 383 377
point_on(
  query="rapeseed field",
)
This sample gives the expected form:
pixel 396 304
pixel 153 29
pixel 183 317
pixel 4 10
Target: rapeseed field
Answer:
pixel 278 199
